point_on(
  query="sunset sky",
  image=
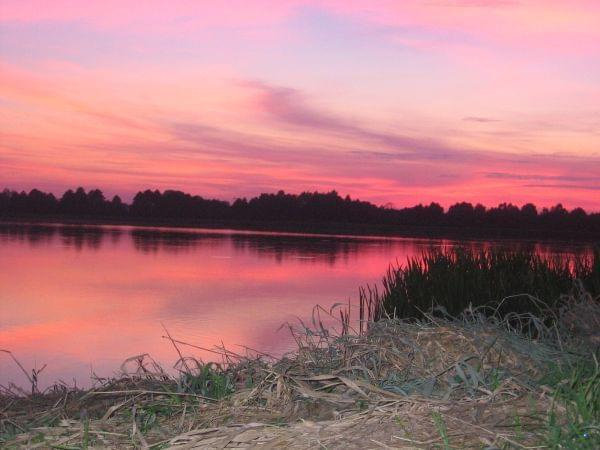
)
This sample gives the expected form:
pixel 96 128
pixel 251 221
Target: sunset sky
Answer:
pixel 388 101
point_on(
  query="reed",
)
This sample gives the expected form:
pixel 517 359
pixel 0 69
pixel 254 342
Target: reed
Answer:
pixel 456 279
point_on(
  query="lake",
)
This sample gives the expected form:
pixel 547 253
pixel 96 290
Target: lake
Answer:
pixel 83 299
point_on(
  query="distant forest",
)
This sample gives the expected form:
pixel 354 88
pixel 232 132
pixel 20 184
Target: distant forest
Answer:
pixel 309 207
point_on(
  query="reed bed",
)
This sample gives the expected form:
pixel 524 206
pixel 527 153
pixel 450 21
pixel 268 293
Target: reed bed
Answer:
pixel 475 380
pixel 459 278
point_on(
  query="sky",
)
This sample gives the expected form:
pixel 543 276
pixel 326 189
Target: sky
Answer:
pixel 400 102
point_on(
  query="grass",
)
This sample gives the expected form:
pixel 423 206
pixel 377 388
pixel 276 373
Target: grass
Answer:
pixel 456 279
pixel 440 426
pixel 208 381
pixel 574 420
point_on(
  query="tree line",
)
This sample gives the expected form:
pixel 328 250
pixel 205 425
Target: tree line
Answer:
pixel 315 207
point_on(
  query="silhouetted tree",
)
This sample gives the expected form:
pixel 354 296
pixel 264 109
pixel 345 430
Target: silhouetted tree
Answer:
pixel 117 207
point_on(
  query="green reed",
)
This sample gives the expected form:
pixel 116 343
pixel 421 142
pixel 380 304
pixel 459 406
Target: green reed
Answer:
pixel 459 278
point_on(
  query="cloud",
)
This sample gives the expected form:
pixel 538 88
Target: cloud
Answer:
pixel 475 3
pixel 516 176
pixel 479 119
pixel 564 186
pixel 291 107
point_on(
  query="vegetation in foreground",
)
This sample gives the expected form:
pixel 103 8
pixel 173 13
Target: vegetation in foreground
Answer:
pixel 439 382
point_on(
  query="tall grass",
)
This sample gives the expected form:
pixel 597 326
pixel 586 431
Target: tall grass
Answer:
pixel 458 278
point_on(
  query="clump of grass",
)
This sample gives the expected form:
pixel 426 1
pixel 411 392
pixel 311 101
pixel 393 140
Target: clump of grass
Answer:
pixel 574 420
pixel 208 380
pixel 459 278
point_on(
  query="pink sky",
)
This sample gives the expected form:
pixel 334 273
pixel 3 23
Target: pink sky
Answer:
pixel 403 102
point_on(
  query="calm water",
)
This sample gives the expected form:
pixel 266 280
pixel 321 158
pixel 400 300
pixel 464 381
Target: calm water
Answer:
pixel 85 299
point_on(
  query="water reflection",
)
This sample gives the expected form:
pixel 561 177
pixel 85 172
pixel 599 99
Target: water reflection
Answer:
pixel 88 297
pixel 90 237
pixel 277 245
pixel 280 247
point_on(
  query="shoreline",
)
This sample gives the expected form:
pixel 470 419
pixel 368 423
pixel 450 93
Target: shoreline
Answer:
pixel 320 229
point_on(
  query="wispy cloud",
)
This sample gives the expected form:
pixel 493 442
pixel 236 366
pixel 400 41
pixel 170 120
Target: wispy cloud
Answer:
pixel 516 176
pixel 474 3
pixel 479 119
pixel 565 186
pixel 292 107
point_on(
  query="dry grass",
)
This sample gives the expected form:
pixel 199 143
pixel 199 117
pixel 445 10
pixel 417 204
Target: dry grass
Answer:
pixel 436 383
